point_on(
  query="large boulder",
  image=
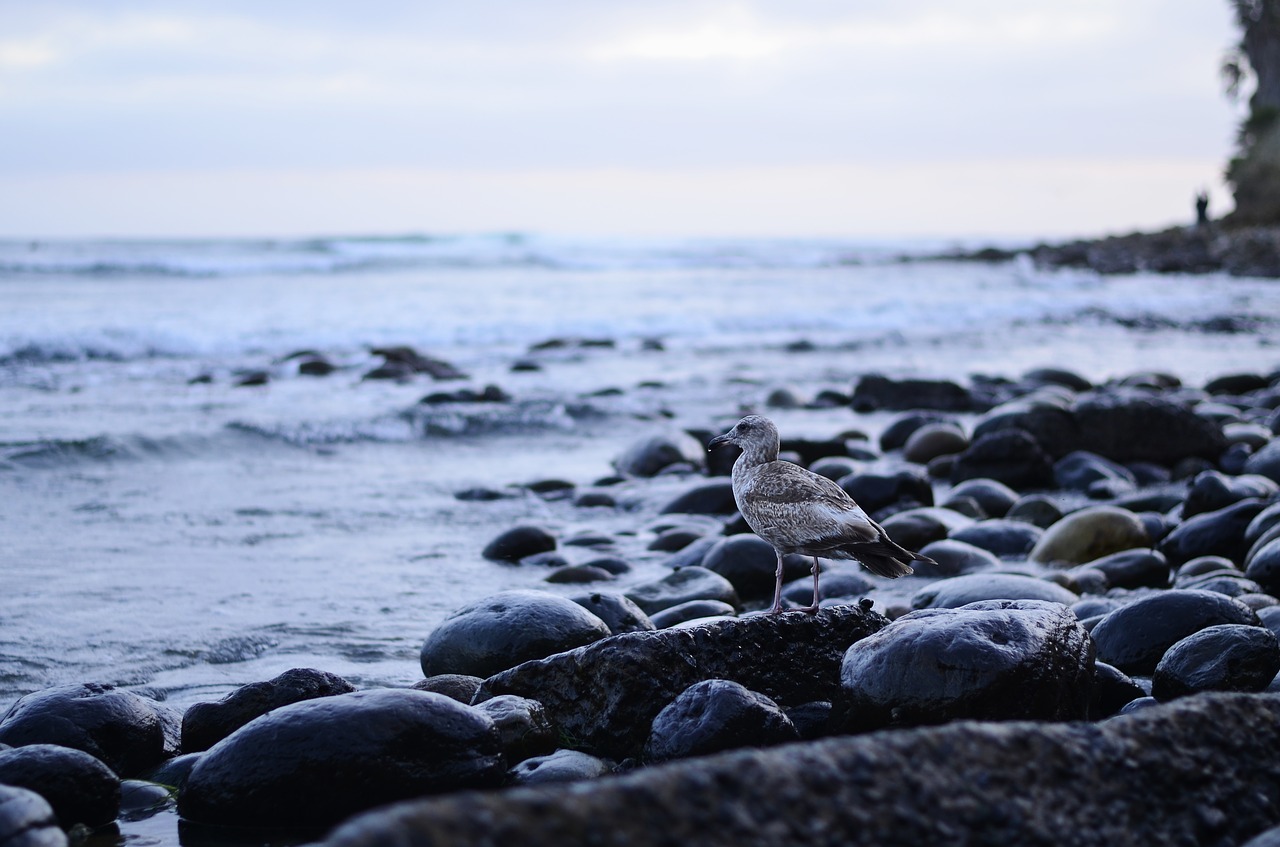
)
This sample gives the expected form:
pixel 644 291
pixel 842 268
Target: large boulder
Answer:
pixel 505 629
pixel 127 732
pixel 1140 428
pixel 314 763
pixel 606 695
pixel 81 789
pixel 205 724
pixel 992 660
pixel 1228 657
pixel 875 392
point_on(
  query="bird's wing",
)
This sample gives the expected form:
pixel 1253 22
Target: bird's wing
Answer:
pixel 792 508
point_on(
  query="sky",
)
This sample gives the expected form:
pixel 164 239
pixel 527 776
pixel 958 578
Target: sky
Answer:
pixel 875 118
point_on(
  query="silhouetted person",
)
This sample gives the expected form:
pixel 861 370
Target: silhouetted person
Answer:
pixel 1202 208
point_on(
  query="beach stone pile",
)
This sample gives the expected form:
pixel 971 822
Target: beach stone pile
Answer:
pixel 1091 659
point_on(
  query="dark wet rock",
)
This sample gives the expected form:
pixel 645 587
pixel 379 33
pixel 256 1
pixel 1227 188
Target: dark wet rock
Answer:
pixel 1005 538
pixel 1058 376
pixel 1081 470
pixel 252 378
pixel 505 629
pixel 1135 636
pixel 551 489
pixel 483 495
pixel 995 498
pixel 455 686
pixel 489 394
pixel 809 450
pixel 316 367
pixel 1237 383
pixel 81 789
pixel 748 562
pixel 415 362
pixel 1090 534
pixel 915 528
pixel 874 392
pixel 1043 510
pixel 1206 564
pixel 302 765
pixel 897 433
pixel 127 732
pixel 1229 584
pixel 966 506
pixel 523 726
pixel 1081 580
pixel 838 581
pixel 1136 568
pixel 1255 436
pixel 715 715
pixel 875 491
pixel 933 440
pixel 1217 533
pixel 1264 566
pixel 1211 490
pixel 1112 691
pixel 617 611
pixel 691 583
pixel 1051 426
pixel 1270 838
pixel 692 555
pixel 525 366
pixel 649 456
pixel 706 498
pixel 1196 772
pixel 1009 456
pixel 953 558
pixel 140 800
pixel 1093 606
pixel 606 695
pixel 676 538
pixel 589 538
pixel 1229 657
pixel 173 773
pixel 27 820
pixel 518 543
pixel 691 611
pixel 835 467
pixel 579 575
pixel 812 720
pixel 1136 428
pixel 550 559
pixel 205 724
pixel 560 766
pixel 397 371
pixel 972 588
pixel 1265 461
pixel 995 660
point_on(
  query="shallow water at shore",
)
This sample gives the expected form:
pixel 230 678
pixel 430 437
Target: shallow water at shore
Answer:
pixel 188 538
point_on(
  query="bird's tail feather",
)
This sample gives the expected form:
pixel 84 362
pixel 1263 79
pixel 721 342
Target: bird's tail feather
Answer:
pixel 886 559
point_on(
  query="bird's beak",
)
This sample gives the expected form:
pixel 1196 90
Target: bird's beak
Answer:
pixel 718 441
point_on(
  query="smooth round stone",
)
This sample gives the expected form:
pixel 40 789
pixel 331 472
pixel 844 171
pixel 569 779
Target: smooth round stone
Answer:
pixel 1262 522
pixel 748 562
pixel 966 506
pixel 675 539
pixel 914 528
pixel 1091 607
pixel 1216 533
pixel 518 543
pixel 715 715
pixel 302 765
pixel 1212 490
pixel 560 766
pixel 953 558
pixel 901 428
pixel 1265 461
pixel 693 554
pixel 933 440
pixel 205 724
pixel 1141 703
pixel 835 467
pixel 455 686
pixel 617 611
pixel 1136 568
pixel 839 582
pixel 140 799
pixel 706 498
pixel 972 588
pixel 127 732
pixel 1135 636
pixel 609 564
pixel 1058 376
pixel 1089 534
pixel 1081 579
pixel 651 455
pixel 1080 470
pixel 1010 456
pixel 1112 691
pixel 998 660
pixel 1007 539
pixel 505 629
pixel 173 773
pixel 81 789
pixel 1270 617
pixel 1229 584
pixel 875 491
pixel 1230 657
pixel 1041 510
pixel 1206 565
pixel 1258 601
pixel 27 820
pixel 995 498
pixel 595 499
pixel 578 575
pixel 1264 566
pixel 694 583
pixel 522 725
pixel 692 610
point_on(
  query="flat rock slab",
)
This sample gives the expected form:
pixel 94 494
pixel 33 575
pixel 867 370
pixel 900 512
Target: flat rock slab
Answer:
pixel 605 696
pixel 1202 771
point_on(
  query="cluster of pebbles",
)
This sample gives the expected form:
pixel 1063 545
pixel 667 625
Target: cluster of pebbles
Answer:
pixel 1101 554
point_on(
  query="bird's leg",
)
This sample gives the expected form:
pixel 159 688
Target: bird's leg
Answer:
pixel 816 568
pixel 777 589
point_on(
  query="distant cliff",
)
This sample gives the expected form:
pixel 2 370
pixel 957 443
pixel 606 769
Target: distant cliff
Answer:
pixel 1254 172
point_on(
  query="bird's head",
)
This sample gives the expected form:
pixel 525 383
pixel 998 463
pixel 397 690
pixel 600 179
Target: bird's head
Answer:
pixel 752 433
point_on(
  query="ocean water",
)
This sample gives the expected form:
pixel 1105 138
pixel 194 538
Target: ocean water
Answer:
pixel 163 527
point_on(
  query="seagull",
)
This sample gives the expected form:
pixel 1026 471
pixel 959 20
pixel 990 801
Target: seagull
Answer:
pixel 798 511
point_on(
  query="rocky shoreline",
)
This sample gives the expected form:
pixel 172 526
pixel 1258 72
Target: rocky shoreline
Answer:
pixel 1106 564
pixel 1239 251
